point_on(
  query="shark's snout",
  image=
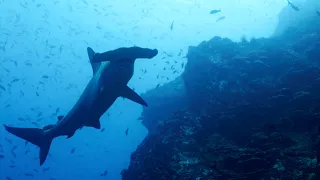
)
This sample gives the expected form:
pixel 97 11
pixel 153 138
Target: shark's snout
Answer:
pixel 154 52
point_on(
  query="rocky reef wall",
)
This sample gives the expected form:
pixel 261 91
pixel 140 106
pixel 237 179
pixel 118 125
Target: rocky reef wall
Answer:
pixel 301 19
pixel 163 101
pixel 252 112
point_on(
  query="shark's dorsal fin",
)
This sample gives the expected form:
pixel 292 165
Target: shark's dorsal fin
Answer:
pixel 95 65
pixel 133 96
pixel 60 118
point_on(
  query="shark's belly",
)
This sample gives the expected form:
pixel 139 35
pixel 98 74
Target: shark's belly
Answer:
pixel 78 116
pixel 113 80
pixel 105 100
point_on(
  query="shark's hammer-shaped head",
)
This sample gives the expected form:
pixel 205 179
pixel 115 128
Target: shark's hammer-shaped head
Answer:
pixel 120 60
pixel 122 54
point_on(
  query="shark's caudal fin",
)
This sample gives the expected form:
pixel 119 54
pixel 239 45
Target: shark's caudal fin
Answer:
pixel 35 136
pixel 133 96
pixel 95 65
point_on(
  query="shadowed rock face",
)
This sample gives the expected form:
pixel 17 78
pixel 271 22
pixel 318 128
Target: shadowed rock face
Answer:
pixel 163 101
pixel 290 18
pixel 252 112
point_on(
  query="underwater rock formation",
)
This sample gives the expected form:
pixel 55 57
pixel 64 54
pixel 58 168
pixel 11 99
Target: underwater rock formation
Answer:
pixel 301 19
pixel 252 112
pixel 163 101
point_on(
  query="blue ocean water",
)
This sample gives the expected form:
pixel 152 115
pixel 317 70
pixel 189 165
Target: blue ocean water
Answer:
pixel 44 68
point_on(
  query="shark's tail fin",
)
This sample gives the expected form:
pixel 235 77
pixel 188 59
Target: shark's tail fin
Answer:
pixel 35 136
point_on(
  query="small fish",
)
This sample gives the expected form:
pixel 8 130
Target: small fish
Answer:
pixel 102 130
pixel 35 123
pixel 28 174
pixel 45 169
pixel 171 27
pixel 2 87
pixel 7 70
pixel 127 131
pixel 13 154
pixel 21 119
pixel 39 114
pixel 85 2
pixel 45 76
pixel 28 64
pixel 8 178
pixel 215 11
pixel 104 173
pixel 72 150
pixel 220 18
pixel 15 80
pixel 8 140
pixel 293 6
pixel 21 93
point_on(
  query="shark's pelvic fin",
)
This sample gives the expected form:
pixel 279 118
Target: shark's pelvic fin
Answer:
pixel 133 96
pixel 70 135
pixel 95 124
pixel 95 65
pixel 35 136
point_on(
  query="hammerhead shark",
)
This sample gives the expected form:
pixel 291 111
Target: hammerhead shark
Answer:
pixel 112 71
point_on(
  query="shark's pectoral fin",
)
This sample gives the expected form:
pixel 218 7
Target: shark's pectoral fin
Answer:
pixel 133 96
pixel 95 65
